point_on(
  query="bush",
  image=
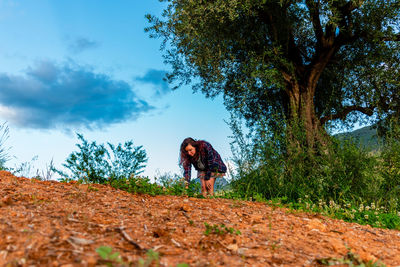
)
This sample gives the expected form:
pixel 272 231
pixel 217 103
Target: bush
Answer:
pixel 141 185
pixel 390 168
pixel 96 164
pixel 344 172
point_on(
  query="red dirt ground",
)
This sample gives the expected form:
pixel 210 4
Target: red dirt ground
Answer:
pixel 47 223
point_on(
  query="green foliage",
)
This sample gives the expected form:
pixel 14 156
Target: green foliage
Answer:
pixel 221 229
pixel 164 185
pixel 364 213
pixel 268 57
pixel 151 257
pixel 4 134
pixel 390 166
pixel 95 163
pixel 175 185
pixel 126 160
pixel 344 174
pixel 141 185
pixel 110 257
pixel 350 259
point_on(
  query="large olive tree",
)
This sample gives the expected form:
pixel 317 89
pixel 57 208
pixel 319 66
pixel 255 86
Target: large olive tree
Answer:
pixel 312 61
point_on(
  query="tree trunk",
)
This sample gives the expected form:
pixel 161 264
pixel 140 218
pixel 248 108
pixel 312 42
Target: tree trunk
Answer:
pixel 304 128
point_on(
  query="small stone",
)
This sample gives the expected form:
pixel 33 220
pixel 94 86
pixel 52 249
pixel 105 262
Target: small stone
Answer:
pixel 91 261
pixel 7 200
pixel 256 218
pixel 338 246
pixel 242 251
pixel 316 224
pixel 185 207
pixel 233 247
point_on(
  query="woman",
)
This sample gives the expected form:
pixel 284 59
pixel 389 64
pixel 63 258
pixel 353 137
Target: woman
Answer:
pixel 205 160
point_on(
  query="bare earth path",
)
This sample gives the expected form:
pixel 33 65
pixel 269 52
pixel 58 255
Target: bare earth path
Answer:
pixel 59 224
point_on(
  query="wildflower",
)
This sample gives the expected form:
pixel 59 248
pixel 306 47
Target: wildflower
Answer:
pixel 320 204
pixel 367 208
pixel 376 213
pixel 366 216
pixel 361 208
pixel 373 206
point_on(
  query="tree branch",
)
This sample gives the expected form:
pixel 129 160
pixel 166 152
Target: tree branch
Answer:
pixel 349 6
pixel 328 42
pixel 341 115
pixel 314 14
pixel 394 38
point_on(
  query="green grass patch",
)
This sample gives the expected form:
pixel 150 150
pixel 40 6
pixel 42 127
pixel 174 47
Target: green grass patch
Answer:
pixel 220 229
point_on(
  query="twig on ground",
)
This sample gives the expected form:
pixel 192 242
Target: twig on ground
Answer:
pixel 121 229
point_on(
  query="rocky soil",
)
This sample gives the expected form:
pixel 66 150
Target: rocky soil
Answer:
pixel 47 223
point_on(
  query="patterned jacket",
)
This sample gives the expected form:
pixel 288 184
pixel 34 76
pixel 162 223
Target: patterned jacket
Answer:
pixel 211 160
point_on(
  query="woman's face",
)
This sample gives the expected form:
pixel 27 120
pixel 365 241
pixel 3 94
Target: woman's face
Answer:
pixel 191 150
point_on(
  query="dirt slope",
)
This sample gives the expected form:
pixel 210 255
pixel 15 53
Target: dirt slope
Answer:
pixel 58 224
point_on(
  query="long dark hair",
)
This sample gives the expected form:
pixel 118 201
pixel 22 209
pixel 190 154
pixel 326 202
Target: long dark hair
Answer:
pixel 184 157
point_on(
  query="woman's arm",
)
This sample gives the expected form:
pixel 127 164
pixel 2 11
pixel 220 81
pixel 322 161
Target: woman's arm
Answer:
pixel 187 171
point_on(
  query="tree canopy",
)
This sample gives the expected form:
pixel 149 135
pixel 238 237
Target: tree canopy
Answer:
pixel 315 61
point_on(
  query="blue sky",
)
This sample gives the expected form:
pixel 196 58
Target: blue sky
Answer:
pixel 73 66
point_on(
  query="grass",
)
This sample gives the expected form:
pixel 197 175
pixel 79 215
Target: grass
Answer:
pixel 350 259
pixel 111 258
pixel 221 229
pixel 364 214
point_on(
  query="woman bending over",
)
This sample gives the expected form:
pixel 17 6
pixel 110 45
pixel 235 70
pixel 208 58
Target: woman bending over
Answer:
pixel 205 160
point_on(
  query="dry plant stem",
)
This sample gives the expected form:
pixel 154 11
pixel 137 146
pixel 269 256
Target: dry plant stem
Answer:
pixel 120 229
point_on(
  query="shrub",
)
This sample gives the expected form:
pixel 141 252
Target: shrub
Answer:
pixel 95 163
pixel 390 167
pixel 343 172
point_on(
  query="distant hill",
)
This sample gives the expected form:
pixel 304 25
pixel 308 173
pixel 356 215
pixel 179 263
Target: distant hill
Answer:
pixel 367 137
